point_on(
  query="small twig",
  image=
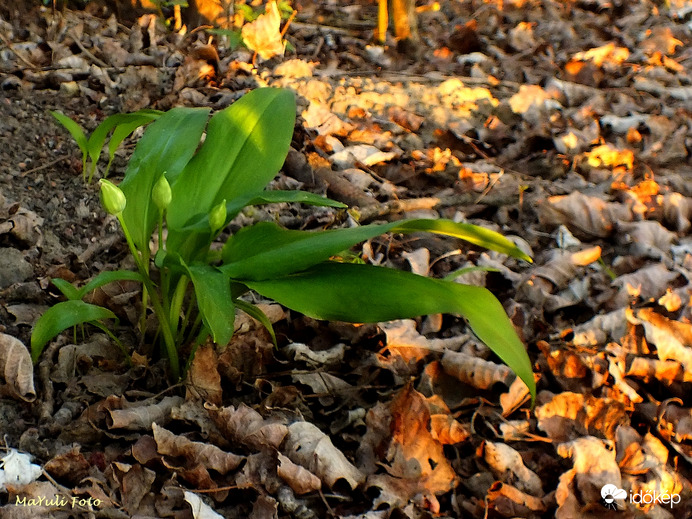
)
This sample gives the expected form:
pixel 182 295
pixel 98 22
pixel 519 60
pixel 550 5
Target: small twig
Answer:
pixel 86 51
pixel 44 166
pixel 288 22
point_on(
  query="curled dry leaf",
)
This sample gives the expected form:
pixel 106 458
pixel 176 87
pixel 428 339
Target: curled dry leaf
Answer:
pixel 16 367
pixel 203 379
pixel 247 427
pixel 649 282
pixel 673 339
pixel 474 371
pixel 200 510
pixel 300 479
pixel 194 453
pixel 301 352
pixel 512 501
pixel 507 464
pixel 309 447
pixel 518 394
pixel 584 215
pixel 141 415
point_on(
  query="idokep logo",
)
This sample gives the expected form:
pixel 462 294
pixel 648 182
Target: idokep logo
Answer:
pixel 610 493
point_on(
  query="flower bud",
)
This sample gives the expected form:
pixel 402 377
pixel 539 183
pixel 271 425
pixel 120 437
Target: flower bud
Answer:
pixel 217 216
pixel 112 198
pixel 161 194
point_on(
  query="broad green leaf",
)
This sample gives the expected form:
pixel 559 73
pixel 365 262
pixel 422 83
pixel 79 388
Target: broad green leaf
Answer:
pixel 61 317
pixel 213 292
pixel 166 146
pixel 266 250
pixel 77 134
pixel 364 293
pixel 244 148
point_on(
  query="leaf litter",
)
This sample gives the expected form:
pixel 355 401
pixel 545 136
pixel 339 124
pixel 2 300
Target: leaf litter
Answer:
pixel 533 120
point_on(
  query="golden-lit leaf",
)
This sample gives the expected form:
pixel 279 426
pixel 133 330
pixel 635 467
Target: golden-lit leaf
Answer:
pixel 673 339
pixel 607 54
pixel 606 155
pixel 263 35
pixel 660 39
pixel 527 96
pixel 414 452
pixel 474 371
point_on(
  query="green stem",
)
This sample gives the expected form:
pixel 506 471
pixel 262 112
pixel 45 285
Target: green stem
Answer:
pixel 177 301
pixel 164 323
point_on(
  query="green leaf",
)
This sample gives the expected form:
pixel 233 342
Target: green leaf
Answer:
pixel 67 288
pixel 77 134
pixel 61 317
pixel 301 197
pixel 166 146
pixel 244 148
pixel 256 313
pixel 266 250
pixel 109 276
pixel 213 292
pixel 201 223
pixel 364 293
pixel 98 137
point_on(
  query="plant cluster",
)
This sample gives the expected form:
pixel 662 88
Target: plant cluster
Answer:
pixel 189 192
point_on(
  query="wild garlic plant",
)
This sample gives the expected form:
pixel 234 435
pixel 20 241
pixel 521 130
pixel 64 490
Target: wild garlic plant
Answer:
pixel 192 192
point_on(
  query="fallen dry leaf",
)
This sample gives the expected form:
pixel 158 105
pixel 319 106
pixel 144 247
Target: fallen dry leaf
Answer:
pixel 16 367
pixel 309 447
pixel 263 35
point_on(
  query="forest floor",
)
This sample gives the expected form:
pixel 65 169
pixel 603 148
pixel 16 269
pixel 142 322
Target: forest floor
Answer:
pixel 566 126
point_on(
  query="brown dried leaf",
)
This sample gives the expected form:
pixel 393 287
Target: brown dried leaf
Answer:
pixel 584 215
pixel 71 466
pixel 413 452
pixel 309 447
pixel 247 427
pixel 474 371
pixel 673 339
pixel 16 367
pixel 301 480
pixel 141 415
pixel 203 379
pixel 507 465
pixel 209 456
pixel 512 502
